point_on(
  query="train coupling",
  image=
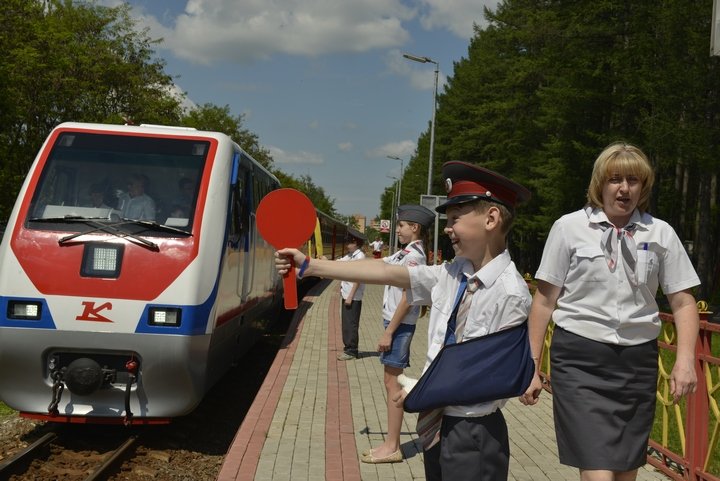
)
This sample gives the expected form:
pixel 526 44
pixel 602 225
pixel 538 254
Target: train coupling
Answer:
pixel 83 376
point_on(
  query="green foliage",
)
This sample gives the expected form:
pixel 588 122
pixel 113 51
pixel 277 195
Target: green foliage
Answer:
pixel 547 85
pixel 315 193
pixel 69 60
pixel 5 410
pixel 544 87
pixel 219 119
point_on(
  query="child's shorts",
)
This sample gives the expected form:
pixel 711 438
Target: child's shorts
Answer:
pixel 399 353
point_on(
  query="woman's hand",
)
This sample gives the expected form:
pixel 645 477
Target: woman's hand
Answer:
pixel 683 379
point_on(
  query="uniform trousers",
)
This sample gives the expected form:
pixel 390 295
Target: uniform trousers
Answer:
pixel 474 448
pixel 350 316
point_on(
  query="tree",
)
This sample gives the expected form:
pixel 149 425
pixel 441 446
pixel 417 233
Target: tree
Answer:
pixel 548 84
pixel 315 193
pixel 219 119
pixel 71 61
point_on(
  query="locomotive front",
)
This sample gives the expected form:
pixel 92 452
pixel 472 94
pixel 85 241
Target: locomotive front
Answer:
pixel 106 296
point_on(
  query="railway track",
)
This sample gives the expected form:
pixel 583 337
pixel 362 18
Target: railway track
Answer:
pixel 61 454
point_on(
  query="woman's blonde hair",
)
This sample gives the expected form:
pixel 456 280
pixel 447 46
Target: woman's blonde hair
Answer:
pixel 624 159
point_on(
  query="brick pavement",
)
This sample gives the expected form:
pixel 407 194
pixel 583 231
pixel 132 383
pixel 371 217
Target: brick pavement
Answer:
pixel 314 414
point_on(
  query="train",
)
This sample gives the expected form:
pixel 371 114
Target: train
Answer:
pixel 132 275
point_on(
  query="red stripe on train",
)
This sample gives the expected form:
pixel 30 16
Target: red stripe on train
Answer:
pixel 55 269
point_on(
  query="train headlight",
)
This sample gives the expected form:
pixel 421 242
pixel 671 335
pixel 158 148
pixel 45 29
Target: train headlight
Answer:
pixel 27 310
pixel 101 260
pixel 165 316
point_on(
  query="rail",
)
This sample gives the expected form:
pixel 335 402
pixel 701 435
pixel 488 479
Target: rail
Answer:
pixel 20 463
pixel 684 443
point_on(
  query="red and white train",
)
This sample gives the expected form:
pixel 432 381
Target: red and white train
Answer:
pixel 132 275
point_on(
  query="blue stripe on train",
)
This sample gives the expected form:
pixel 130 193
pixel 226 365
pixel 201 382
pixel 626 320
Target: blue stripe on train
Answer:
pixel 193 319
pixel 45 321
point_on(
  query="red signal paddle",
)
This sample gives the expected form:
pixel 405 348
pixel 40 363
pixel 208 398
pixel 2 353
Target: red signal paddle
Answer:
pixel 286 218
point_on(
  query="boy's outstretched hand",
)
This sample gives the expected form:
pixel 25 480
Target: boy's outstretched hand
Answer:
pixel 284 257
pixel 532 394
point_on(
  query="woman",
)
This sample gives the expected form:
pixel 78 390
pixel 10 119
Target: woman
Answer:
pixel 399 320
pixel 597 279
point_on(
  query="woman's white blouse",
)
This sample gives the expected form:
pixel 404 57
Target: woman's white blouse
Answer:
pixel 602 305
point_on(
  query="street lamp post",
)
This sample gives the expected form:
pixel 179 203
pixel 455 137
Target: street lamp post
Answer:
pixel 393 214
pixel 402 172
pixel 415 58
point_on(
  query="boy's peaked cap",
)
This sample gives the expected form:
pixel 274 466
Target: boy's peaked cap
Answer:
pixel 466 182
pixel 416 213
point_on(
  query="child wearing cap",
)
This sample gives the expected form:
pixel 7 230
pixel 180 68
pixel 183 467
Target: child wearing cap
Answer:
pixel 352 294
pixel 473 440
pixel 399 319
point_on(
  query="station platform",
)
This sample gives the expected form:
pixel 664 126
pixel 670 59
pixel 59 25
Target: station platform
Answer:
pixel 314 415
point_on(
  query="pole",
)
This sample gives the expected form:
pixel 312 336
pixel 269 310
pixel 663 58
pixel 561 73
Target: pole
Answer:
pixel 391 247
pixel 416 58
pixel 402 171
pixel 437 228
pixel 397 189
pixel 400 185
pixel 393 214
pixel 432 132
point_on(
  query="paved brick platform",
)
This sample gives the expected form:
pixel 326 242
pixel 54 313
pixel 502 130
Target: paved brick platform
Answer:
pixel 314 414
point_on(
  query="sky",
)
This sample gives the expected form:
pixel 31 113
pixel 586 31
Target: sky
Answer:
pixel 322 83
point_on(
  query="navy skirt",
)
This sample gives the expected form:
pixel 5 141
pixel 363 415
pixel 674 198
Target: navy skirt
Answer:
pixel 603 401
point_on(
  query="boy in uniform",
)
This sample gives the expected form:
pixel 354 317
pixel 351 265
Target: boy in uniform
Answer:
pixel 377 246
pixel 352 294
pixel 472 442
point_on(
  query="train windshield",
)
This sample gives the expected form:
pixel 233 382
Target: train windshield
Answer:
pixel 142 184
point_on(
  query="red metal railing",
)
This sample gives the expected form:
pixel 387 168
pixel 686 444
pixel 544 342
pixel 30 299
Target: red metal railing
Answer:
pixel 687 446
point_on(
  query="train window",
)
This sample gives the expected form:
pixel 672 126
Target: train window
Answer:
pixel 111 177
pixel 239 213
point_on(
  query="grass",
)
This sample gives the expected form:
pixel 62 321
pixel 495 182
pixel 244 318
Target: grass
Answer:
pixel 4 410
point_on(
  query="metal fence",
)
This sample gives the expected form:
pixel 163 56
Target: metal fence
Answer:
pixel 685 436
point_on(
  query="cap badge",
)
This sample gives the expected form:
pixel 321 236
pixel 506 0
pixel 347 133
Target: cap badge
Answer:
pixel 448 185
pixel 488 194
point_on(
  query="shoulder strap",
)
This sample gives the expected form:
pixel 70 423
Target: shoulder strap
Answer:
pixel 450 330
pixel 415 246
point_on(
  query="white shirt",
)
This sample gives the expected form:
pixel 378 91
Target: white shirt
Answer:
pixel 412 255
pixel 502 301
pixel 141 207
pixel 346 287
pixel 602 305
